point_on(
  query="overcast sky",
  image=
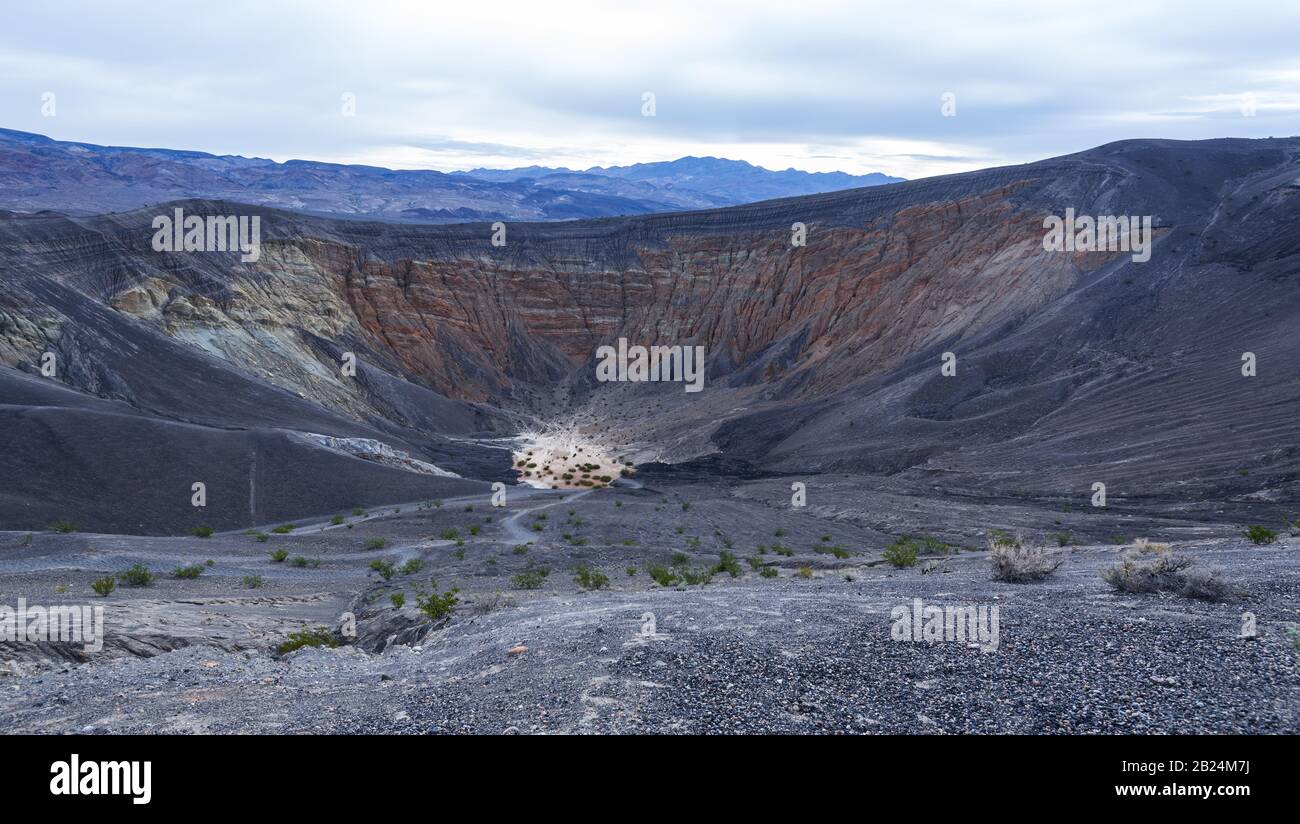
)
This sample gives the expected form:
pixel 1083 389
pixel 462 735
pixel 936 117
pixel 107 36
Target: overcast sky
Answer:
pixel 856 87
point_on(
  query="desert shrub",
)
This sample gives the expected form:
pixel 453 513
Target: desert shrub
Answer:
pixel 473 529
pixel 680 559
pixel 376 543
pixel 781 550
pixel 1163 572
pixel 630 571
pixel 588 578
pixel 901 553
pixel 252 581
pixel 63 526
pixel 412 566
pixel 768 572
pixel 999 537
pixel 398 599
pixel 661 575
pixel 336 520
pixel 319 637
pixel 104 586
pixel 279 555
pixel 358 512
pixel 450 534
pixel 520 549
pixel 805 572
pixel 531 578
pixel 284 529
pixel 384 568
pixel 302 563
pixel 1205 585
pixel 727 563
pixel 1146 547
pixel 136 575
pixel 188 572
pixel 257 535
pixel 202 532
pixel 779 532
pixel 1019 563
pixel 696 576
pixel 1260 535
pixel 435 606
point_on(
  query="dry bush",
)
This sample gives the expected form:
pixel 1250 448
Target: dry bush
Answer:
pixel 1145 570
pixel 1018 562
pixel 1145 546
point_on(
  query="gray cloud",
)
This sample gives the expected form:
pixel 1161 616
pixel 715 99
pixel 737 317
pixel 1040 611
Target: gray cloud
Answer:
pixel 848 86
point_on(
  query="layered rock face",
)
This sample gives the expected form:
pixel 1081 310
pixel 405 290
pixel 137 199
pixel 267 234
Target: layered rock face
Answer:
pixel 823 356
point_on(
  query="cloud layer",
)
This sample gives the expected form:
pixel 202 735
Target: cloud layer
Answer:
pixel 853 87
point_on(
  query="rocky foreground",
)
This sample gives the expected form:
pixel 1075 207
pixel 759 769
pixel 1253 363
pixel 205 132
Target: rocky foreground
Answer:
pixel 804 647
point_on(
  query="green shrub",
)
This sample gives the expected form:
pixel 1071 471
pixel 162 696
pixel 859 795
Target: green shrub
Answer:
pixel 319 637
pixel 202 532
pixel 696 576
pixel 531 578
pixel 805 572
pixel 279 555
pixel 252 581
pixel 630 571
pixel 136 575
pixel 473 529
pixel 103 586
pixel 779 532
pixel 680 559
pixel 727 563
pixel 1260 535
pixel 376 543
pixel 768 572
pixel 398 599
pixel 260 537
pixel 662 576
pixel 437 606
pixel 63 526
pixel 336 520
pixel 589 578
pixel 450 534
pixel 520 549
pixel 384 568
pixel 999 537
pixel 358 512
pixel 412 566
pixel 783 551
pixel 188 572
pixel 901 553
pixel 284 529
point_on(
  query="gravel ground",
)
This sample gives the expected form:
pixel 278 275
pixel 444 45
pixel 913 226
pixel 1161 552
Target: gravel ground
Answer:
pixel 741 654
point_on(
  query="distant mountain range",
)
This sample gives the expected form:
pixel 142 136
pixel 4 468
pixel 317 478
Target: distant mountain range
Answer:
pixel 38 173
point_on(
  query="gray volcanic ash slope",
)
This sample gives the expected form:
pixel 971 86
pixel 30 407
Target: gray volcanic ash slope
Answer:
pixel 1072 368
